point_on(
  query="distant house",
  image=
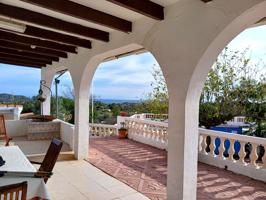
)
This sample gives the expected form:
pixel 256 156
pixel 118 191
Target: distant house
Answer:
pixel 236 125
pixel 11 112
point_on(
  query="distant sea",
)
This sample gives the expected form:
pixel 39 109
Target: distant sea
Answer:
pixel 110 101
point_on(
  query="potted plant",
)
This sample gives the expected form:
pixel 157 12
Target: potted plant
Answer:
pixel 122 131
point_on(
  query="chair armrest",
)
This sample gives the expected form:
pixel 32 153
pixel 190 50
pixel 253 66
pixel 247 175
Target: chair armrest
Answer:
pixel 42 174
pixel 34 162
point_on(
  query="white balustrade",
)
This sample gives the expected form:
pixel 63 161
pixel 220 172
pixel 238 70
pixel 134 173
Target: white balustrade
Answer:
pixel 150 116
pixel 102 130
pixel 250 160
pixel 146 131
pixel 250 152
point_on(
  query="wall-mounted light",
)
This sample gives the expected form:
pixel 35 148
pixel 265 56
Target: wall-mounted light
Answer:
pixel 41 96
pixel 12 26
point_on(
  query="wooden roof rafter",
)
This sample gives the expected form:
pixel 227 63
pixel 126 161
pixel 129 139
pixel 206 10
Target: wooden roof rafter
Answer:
pixel 27 16
pixel 144 7
pixel 85 13
pixel 23 64
pixel 57 37
pixel 45 37
pixel 11 59
pixel 13 37
pixel 28 48
pixel 16 52
pixel 21 58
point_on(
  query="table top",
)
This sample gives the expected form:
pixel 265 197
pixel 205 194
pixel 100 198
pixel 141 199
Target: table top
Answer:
pixel 16 161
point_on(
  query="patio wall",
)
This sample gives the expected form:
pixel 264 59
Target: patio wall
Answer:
pixel 67 133
pixel 18 128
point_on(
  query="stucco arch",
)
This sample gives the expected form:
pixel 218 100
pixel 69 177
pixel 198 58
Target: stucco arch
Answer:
pixel 247 19
pixel 186 46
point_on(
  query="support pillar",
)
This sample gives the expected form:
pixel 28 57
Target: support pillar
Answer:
pixel 46 76
pixel 81 133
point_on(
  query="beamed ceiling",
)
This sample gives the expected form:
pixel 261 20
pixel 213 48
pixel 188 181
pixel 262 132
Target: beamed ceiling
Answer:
pixel 50 30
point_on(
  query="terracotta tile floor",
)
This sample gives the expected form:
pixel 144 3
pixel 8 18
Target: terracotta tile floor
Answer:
pixel 144 168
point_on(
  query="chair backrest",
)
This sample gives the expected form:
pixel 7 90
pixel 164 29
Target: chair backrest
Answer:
pixel 17 191
pixel 51 156
pixel 2 127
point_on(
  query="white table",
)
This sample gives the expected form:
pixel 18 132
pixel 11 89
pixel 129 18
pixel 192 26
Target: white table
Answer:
pixel 16 161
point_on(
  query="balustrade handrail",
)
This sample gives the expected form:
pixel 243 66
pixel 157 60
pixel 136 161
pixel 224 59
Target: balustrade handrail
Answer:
pixel 143 121
pixel 243 138
pixel 102 125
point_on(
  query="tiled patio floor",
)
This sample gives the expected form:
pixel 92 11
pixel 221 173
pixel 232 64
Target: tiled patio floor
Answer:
pixel 144 168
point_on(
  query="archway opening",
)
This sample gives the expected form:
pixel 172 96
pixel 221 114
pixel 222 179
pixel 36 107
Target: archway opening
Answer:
pixel 130 93
pixel 63 99
pixel 232 106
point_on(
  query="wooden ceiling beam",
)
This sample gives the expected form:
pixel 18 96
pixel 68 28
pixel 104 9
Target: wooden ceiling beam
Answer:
pixel 21 58
pixel 22 61
pixel 27 48
pixel 85 13
pixel 28 54
pixel 57 37
pixel 51 22
pixel 8 36
pixel 206 1
pixel 4 61
pixel 144 7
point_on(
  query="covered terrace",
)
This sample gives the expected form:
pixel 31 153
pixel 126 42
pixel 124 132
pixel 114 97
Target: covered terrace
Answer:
pixel 185 37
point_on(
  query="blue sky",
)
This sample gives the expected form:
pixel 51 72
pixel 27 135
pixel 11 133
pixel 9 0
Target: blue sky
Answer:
pixel 126 78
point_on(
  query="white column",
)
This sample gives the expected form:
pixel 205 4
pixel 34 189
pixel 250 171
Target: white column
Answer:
pixel 81 133
pixel 46 76
pixel 82 71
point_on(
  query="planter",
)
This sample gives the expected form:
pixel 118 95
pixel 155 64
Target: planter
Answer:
pixel 122 133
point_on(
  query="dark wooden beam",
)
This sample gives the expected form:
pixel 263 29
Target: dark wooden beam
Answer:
pixel 28 54
pixel 22 61
pixel 206 1
pixel 8 36
pixel 144 7
pixel 85 13
pixel 57 37
pixel 27 48
pixel 21 58
pixel 51 22
pixel 20 64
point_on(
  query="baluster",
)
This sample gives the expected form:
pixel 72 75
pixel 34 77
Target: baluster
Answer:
pixel 231 150
pixel 212 146
pixel 155 129
pixel 161 135
pixel 222 148
pixel 204 144
pixel 165 134
pixel 158 134
pixel 242 153
pixel 142 130
pixel 109 130
pixel 253 155
pixel 264 158
pixel 200 143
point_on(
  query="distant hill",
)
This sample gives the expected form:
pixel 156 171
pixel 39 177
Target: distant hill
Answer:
pixel 117 101
pixel 9 98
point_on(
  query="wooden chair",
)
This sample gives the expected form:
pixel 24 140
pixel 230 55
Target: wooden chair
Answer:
pixel 50 158
pixel 14 190
pixel 3 135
